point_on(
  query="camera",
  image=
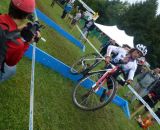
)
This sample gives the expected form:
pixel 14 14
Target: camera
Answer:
pixel 30 31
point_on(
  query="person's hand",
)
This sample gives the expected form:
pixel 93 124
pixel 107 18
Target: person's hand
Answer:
pixel 35 38
pixel 129 81
pixel 31 32
pixel 107 59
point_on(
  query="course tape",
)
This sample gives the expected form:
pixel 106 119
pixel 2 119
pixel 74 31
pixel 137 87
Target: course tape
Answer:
pixel 56 27
pixel 31 111
pixel 58 66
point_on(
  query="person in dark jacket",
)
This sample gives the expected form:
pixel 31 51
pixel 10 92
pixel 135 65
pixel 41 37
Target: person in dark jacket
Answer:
pixel 145 81
pixel 152 97
pixel 89 26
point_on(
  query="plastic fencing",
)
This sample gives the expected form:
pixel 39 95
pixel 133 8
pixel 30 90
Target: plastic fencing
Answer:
pixel 58 66
pixel 55 26
pixel 63 69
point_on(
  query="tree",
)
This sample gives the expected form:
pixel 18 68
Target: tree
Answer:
pixel 140 21
pixel 109 11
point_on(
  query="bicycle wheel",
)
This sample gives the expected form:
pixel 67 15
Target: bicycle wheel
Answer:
pixel 86 98
pixel 85 64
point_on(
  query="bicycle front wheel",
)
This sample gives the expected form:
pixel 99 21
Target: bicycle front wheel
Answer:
pixel 86 98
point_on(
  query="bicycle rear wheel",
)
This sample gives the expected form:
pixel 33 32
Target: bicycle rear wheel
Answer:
pixel 85 64
pixel 86 98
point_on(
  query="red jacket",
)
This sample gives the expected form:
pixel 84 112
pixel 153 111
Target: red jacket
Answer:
pixel 14 51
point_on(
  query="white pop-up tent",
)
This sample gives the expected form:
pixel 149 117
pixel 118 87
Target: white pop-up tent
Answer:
pixel 116 34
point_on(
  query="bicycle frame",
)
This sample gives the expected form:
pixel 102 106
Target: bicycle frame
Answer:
pixel 97 61
pixel 102 80
pixel 86 72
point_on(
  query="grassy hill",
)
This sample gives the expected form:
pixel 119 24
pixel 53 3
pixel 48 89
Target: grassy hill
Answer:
pixel 53 109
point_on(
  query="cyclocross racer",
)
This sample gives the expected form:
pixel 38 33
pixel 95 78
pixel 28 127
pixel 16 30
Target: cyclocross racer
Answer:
pixel 128 61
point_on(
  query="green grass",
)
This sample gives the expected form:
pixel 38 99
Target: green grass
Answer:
pixel 53 108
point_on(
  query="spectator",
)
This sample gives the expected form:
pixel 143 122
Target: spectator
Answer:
pixel 148 121
pixel 15 19
pixel 75 10
pixel 89 26
pixel 145 81
pixel 67 9
pixel 152 97
pixel 141 65
pixel 145 123
pixel 76 18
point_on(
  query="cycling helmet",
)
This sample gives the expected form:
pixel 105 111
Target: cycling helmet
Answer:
pixel 27 6
pixel 142 48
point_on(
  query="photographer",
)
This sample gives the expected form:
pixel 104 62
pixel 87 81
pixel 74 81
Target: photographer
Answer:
pixel 15 20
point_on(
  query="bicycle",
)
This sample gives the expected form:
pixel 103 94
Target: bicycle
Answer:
pixel 95 83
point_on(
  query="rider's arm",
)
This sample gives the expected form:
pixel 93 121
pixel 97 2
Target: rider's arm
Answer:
pixel 111 49
pixel 132 72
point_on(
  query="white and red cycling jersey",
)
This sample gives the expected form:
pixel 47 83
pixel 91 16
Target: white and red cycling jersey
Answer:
pixel 129 66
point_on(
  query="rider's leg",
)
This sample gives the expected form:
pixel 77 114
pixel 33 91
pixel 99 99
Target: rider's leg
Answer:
pixel 110 86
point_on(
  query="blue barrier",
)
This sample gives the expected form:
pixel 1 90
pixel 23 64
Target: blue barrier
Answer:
pixel 58 66
pixel 52 24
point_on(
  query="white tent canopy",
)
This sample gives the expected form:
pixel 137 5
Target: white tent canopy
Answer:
pixel 116 34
